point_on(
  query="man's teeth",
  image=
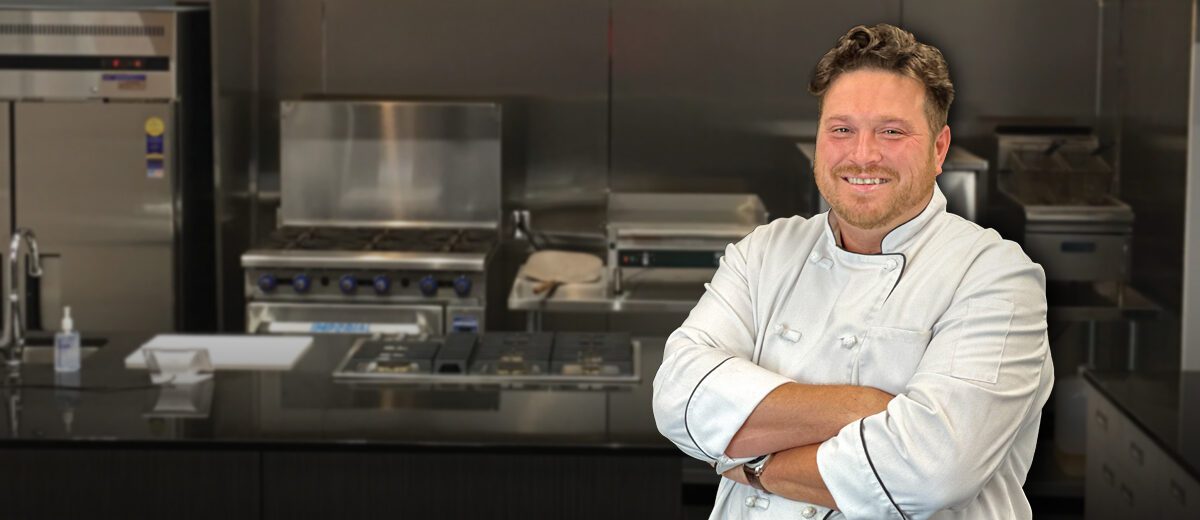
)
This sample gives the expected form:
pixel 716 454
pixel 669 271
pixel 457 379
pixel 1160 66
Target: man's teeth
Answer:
pixel 856 180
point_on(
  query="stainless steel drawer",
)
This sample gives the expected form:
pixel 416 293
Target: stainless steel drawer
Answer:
pixel 1080 256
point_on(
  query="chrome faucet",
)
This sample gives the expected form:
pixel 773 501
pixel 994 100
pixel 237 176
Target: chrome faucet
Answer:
pixel 13 338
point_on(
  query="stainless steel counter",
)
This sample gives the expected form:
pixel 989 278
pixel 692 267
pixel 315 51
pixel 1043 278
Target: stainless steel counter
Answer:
pixel 666 292
pixel 112 405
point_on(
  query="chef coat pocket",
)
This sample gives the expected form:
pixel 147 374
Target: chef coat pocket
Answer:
pixel 890 357
pixel 980 345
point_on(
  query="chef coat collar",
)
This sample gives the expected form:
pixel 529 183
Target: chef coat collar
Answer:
pixel 899 238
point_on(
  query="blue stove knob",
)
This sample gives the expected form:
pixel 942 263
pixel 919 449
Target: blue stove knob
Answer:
pixel 462 286
pixel 301 283
pixel 382 284
pixel 348 284
pixel 428 285
pixel 267 282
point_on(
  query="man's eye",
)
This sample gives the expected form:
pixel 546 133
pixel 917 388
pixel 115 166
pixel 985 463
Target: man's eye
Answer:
pixel 841 130
pixel 893 131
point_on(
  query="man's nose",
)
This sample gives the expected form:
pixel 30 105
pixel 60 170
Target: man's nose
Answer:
pixel 866 150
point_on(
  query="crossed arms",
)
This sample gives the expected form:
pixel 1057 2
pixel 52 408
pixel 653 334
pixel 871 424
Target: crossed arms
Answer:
pixel 791 422
pixel 937 444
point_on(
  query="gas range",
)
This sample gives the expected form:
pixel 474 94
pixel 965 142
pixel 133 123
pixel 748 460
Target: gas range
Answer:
pixel 494 357
pixel 390 212
pixel 441 272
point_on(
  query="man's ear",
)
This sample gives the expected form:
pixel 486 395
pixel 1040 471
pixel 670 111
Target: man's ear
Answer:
pixel 941 146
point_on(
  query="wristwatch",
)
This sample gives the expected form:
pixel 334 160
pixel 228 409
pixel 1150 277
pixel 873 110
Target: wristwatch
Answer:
pixel 754 470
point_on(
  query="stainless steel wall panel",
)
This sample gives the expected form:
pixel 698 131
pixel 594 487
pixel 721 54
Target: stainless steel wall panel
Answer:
pixel 545 60
pixel 1190 344
pixel 538 48
pixel 1154 107
pixel 234 70
pixel 291 37
pixel 289 64
pixel 711 96
pixel 1015 59
pixel 1154 72
pixel 390 164
pixel 83 185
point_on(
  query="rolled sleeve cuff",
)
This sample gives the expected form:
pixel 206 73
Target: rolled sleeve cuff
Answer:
pixel 724 399
pixel 850 477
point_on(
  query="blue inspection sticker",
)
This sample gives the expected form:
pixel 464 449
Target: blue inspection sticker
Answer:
pixel 154 145
pixel 154 168
pixel 123 77
pixel 339 327
pixel 125 81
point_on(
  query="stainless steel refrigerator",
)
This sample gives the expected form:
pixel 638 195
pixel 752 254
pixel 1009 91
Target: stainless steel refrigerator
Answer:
pixel 106 132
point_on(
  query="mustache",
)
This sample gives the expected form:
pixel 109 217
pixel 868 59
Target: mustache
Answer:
pixel 850 170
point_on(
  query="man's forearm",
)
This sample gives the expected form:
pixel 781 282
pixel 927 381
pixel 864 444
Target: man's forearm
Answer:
pixel 793 474
pixel 796 415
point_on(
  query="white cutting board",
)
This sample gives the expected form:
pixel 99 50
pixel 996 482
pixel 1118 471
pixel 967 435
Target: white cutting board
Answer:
pixel 232 352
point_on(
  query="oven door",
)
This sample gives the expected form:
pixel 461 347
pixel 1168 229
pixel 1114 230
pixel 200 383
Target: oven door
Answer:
pixel 307 318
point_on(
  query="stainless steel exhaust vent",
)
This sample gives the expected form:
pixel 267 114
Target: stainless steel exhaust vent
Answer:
pixel 43 29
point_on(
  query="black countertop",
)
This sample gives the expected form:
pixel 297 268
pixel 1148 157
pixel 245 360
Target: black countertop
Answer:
pixel 108 403
pixel 1165 405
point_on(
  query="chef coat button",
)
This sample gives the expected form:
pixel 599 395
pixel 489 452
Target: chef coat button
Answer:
pixel 848 341
pixel 890 264
pixel 760 502
pixel 790 334
pixel 814 257
pixel 809 512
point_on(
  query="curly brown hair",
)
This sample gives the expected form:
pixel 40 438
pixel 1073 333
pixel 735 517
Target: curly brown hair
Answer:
pixel 890 48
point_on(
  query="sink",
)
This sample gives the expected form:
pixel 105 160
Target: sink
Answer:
pixel 44 355
pixel 41 339
pixel 39 348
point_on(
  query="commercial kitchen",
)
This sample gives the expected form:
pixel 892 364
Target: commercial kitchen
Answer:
pixel 419 258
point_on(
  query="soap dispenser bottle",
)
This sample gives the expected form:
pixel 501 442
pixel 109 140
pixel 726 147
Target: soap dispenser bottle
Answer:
pixel 66 345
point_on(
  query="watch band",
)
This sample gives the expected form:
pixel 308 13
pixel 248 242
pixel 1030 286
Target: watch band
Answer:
pixel 754 470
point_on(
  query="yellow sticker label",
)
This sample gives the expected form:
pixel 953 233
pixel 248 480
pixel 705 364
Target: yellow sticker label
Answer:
pixel 155 126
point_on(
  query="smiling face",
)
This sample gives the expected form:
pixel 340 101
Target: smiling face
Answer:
pixel 876 157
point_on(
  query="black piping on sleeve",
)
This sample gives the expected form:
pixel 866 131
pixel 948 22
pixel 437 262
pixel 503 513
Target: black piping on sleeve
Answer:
pixel 862 428
pixel 689 405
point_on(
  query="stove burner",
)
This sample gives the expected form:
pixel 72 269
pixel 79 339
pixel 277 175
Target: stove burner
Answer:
pixel 374 239
pixel 438 236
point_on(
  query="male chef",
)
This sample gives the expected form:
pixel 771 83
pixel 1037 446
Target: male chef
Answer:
pixel 885 359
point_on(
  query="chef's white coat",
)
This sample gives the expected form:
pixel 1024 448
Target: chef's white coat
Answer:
pixel 950 317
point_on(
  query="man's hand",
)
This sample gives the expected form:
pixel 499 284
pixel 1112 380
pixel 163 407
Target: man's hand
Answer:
pixel 737 474
pixel 796 415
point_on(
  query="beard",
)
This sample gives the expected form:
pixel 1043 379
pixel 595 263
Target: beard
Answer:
pixel 871 211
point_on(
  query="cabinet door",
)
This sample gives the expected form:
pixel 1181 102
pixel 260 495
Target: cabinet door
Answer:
pixel 1182 501
pixel 93 182
pixel 1101 491
pixel 1141 480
